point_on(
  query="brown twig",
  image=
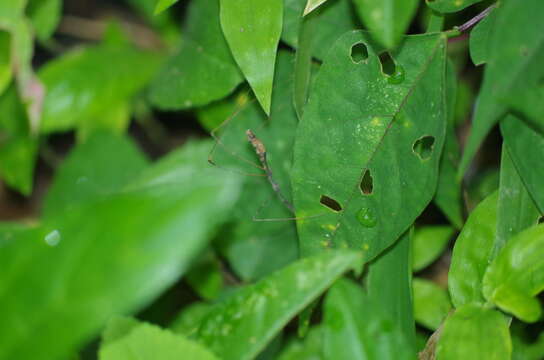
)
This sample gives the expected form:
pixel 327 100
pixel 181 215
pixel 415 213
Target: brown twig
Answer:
pixel 476 19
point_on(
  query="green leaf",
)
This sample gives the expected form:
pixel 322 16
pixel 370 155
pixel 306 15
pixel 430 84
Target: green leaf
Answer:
pixel 359 126
pixel 516 211
pixel 448 190
pixel 387 19
pixel 334 18
pixel 480 37
pixel 253 30
pixel 205 276
pixel 117 328
pixel 11 12
pixel 448 6
pixel 474 332
pixel 515 56
pixel 389 286
pixel 526 149
pixel 309 348
pixel 146 341
pixel 92 171
pixel 431 303
pixel 111 256
pixel 272 243
pixel 258 312
pixel 429 243
pixel 516 275
pixel 18 149
pixel 311 5
pixel 188 320
pixel 356 328
pixel 472 252
pixel 203 69
pixel 74 97
pixel 6 72
pixel 45 16
pixel 163 5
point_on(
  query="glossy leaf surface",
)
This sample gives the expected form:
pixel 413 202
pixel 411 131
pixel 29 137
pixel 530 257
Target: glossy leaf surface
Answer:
pixel 516 275
pixel 386 19
pixel 258 312
pixel 472 252
pixel 514 58
pixel 203 69
pixel 371 144
pixel 474 332
pixel 253 29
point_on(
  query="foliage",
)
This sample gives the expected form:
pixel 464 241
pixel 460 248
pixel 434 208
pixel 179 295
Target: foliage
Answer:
pixel 345 211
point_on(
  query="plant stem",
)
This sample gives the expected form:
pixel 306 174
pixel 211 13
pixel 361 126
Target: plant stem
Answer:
pixel 476 19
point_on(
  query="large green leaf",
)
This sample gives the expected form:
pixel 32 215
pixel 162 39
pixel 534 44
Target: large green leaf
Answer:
pixel 429 243
pixel 515 56
pixel 526 149
pixel 387 19
pixel 479 39
pixel 370 142
pixel 516 275
pixel 448 6
pixel 253 29
pixel 388 286
pixel 472 252
pixel 356 328
pixel 334 18
pixel 92 171
pixel 258 312
pixel 110 256
pixel 272 243
pixel 516 210
pixel 202 70
pixel 431 303
pixel 149 342
pixel 73 96
pixel 475 332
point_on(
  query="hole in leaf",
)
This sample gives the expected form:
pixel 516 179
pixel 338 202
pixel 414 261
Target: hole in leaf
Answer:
pixel 388 64
pixel 366 185
pixel 330 203
pixel 541 220
pixel 359 53
pixel 423 147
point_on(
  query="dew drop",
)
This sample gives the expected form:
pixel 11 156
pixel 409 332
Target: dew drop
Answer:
pixel 366 217
pixel 398 76
pixel 53 238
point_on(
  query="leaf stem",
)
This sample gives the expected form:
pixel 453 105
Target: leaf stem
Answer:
pixel 476 19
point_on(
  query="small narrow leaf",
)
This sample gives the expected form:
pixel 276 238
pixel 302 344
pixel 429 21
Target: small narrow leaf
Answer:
pixel 514 58
pixel 253 29
pixel 360 121
pixel 471 253
pixel 163 5
pixel 474 332
pixel 429 243
pixel 45 16
pixel 431 303
pixel 449 6
pixel 258 312
pixel 516 275
pixel 386 19
pixel 311 5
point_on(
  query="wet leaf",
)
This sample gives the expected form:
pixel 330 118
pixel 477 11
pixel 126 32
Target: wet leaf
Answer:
pixel 526 149
pixel 92 171
pixel 356 328
pixel 74 97
pixel 258 312
pixel 472 252
pixel 431 303
pixel 474 332
pixel 448 6
pixel 386 19
pixel 203 69
pixel 479 39
pixel 110 256
pixel 357 128
pixel 253 30
pixel 146 341
pixel 514 59
pixel 516 276
pixel 429 243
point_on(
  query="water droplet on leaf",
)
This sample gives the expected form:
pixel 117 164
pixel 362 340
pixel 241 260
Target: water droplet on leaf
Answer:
pixel 398 76
pixel 53 238
pixel 366 217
